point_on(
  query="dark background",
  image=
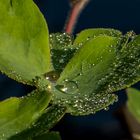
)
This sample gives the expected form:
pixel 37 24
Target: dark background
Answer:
pixel 118 14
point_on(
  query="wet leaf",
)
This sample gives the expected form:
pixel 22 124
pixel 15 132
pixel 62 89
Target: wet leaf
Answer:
pixel 44 123
pixel 46 136
pixel 18 114
pixel 133 102
pixel 126 70
pixel 77 86
pixel 90 64
pixel 24 40
pixel 87 86
pixel 78 104
pixel 88 34
pixel 62 50
pixel 104 64
pixel 49 136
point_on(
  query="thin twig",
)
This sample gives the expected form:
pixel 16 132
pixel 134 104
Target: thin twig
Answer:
pixel 76 8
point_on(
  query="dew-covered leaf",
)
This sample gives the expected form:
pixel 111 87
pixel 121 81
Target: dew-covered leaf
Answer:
pixel 88 34
pixel 49 136
pixel 61 41
pixel 44 123
pixel 78 104
pixel 62 50
pixel 77 86
pixel 103 65
pixel 18 114
pixel 133 102
pixel 126 70
pixel 90 64
pixel 24 40
pixel 46 136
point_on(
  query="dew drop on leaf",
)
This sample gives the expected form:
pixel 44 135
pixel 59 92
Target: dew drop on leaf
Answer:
pixel 62 50
pixel 69 87
pixel 106 108
pixel 79 104
pixel 52 76
pixel 61 61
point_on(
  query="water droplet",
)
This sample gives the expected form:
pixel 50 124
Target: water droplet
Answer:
pixel 61 60
pixel 88 38
pixel 80 44
pixel 52 76
pixel 106 108
pixel 49 87
pixel 16 132
pixel 69 87
pixel 64 89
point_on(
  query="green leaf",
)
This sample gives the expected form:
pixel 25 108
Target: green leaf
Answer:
pixel 78 84
pixel 24 40
pixel 126 70
pixel 62 50
pixel 50 117
pixel 88 34
pixel 49 136
pixel 44 123
pixel 103 65
pixel 18 114
pixel 46 136
pixel 90 63
pixel 133 102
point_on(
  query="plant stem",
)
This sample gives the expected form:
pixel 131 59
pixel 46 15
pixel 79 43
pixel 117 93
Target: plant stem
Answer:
pixel 76 9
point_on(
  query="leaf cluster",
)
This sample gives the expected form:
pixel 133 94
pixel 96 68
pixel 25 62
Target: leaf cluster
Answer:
pixel 71 75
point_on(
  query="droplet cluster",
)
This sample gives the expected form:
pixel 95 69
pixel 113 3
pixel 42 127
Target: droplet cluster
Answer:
pixel 79 104
pixel 62 50
pixel 60 40
pixel 127 65
pixel 14 75
pixel 121 73
pixel 125 69
pixel 42 83
pixel 88 34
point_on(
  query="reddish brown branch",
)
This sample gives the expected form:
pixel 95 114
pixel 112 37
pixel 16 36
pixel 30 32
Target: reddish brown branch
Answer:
pixel 75 11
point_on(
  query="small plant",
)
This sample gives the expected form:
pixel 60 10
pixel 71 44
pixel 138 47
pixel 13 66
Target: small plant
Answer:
pixel 71 75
